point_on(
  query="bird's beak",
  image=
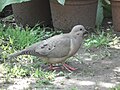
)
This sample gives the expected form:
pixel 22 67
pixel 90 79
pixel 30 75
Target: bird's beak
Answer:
pixel 85 33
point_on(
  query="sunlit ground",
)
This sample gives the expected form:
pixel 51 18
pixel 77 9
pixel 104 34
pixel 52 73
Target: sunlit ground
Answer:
pixel 106 74
pixel 98 69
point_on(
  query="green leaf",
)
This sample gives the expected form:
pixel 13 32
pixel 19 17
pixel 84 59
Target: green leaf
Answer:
pixel 100 16
pixel 107 1
pixel 62 2
pixel 4 3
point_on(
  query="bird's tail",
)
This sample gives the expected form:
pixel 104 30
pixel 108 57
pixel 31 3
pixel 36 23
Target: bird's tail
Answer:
pixel 15 54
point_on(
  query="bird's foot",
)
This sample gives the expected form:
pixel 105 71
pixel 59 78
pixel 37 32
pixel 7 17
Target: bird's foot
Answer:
pixel 65 66
pixel 69 68
pixel 53 67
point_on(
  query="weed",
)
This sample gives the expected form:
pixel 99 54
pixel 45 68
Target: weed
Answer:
pixel 19 38
pixel 116 88
pixel 102 38
pixel 74 88
pixel 44 77
pixel 16 38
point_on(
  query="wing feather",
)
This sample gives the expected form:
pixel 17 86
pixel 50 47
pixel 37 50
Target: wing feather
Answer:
pixel 54 48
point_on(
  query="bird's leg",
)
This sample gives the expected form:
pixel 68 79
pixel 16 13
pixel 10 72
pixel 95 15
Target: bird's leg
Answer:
pixel 66 68
pixel 53 67
pixel 69 68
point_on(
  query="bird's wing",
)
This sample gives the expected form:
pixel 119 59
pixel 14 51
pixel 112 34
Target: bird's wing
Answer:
pixel 55 47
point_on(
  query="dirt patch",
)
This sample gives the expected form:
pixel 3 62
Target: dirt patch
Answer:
pixel 97 69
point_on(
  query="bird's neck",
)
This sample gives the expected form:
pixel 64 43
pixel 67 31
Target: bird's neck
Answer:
pixel 75 44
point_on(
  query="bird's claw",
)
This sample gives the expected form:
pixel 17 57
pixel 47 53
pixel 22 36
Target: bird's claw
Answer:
pixel 69 68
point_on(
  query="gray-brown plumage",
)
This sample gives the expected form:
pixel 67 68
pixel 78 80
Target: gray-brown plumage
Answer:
pixel 57 48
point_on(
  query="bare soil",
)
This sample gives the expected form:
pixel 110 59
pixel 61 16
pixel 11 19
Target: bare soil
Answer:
pixel 97 69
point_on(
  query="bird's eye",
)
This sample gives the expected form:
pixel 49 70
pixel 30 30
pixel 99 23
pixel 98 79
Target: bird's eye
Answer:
pixel 80 29
pixel 78 33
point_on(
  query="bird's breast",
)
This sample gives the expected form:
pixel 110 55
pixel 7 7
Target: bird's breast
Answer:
pixel 75 45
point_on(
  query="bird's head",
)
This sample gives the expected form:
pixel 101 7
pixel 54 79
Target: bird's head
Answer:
pixel 78 30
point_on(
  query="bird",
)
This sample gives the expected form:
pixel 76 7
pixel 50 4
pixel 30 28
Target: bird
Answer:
pixel 56 49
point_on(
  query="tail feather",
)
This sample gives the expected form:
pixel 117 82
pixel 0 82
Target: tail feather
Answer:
pixel 23 52
pixel 15 54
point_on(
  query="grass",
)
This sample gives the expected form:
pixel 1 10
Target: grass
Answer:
pixel 98 39
pixel 20 38
pixel 116 88
pixel 101 40
pixel 16 38
pixel 74 88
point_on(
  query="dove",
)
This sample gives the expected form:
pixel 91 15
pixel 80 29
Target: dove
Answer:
pixel 58 48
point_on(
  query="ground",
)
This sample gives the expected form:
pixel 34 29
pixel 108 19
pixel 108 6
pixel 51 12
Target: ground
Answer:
pixel 99 70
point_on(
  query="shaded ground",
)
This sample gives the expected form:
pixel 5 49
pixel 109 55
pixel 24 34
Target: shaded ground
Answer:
pixel 99 70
